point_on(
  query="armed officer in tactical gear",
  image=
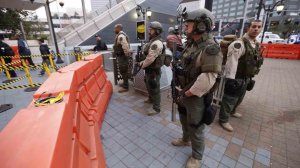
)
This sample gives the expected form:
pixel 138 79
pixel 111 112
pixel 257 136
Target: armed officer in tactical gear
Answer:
pixel 152 64
pixel 121 52
pixel 196 72
pixel 243 62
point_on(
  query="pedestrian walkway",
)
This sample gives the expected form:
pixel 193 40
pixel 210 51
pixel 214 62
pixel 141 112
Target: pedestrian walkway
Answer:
pixel 268 134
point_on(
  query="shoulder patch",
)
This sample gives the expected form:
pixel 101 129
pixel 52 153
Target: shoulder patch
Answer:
pixel 237 45
pixel 212 50
pixel 153 47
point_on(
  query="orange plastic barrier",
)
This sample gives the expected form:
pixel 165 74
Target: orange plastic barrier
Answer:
pixel 63 135
pixel 283 51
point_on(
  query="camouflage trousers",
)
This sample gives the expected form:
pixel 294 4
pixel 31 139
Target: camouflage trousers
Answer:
pixel 152 81
pixel 123 68
pixel 231 102
pixel 190 117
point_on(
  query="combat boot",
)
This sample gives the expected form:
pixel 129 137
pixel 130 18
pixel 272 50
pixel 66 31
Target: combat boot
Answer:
pixel 193 163
pixel 180 142
pixel 226 126
pixel 123 90
pixel 152 112
pixel 236 115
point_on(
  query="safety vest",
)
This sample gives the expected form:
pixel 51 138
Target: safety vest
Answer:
pixel 249 64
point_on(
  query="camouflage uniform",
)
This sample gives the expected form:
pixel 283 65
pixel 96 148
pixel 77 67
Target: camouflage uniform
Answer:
pixel 200 63
pixel 152 65
pixel 238 74
pixel 121 51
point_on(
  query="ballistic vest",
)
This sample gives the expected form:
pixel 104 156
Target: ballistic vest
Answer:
pixel 250 62
pixel 192 66
pixel 159 61
pixel 118 50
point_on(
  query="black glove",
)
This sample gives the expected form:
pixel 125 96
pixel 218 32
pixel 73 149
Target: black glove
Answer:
pixel 233 86
pixel 250 85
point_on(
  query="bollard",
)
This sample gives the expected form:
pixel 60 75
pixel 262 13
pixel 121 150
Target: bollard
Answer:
pixel 6 71
pixel 46 69
pixel 51 62
pixel 32 88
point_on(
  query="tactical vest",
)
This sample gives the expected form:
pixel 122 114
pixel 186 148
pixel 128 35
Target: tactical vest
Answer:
pixel 191 68
pixel 118 50
pixel 159 61
pixel 250 62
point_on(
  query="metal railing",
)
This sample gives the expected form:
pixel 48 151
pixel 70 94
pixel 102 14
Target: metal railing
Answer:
pixel 66 30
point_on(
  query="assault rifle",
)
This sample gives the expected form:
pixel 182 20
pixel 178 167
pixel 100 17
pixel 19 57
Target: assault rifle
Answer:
pixel 138 58
pixel 174 81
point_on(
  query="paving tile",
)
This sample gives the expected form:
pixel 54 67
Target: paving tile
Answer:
pixel 164 158
pixel 155 152
pixel 262 159
pixel 212 137
pixel 237 141
pixel 216 155
pixel 116 147
pixel 156 164
pixel 130 147
pixel 121 153
pixel 222 142
pixel 123 141
pixel 219 148
pixel 211 163
pixel 228 162
pixel 247 153
pixel 129 160
pixel 119 165
pixel 181 157
pixel 222 166
pixel 240 165
pixel 112 160
pixel 146 159
pixel 263 152
pixel 175 164
pixel 138 153
pixel 246 161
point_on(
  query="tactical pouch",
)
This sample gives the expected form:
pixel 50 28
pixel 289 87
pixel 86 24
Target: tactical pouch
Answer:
pixel 210 110
pixel 250 85
pixel 233 86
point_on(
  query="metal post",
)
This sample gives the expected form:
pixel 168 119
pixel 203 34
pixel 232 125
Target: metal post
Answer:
pixel 83 11
pixel 220 27
pixel 51 27
pixel 244 18
pixel 60 26
pixel 265 27
pixel 259 9
pixel 22 30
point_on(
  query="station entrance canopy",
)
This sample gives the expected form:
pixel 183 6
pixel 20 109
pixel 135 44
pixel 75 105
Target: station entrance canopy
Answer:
pixel 22 4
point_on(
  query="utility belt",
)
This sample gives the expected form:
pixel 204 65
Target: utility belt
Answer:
pixel 233 87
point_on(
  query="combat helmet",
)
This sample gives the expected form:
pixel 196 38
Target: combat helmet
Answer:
pixel 157 26
pixel 203 18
